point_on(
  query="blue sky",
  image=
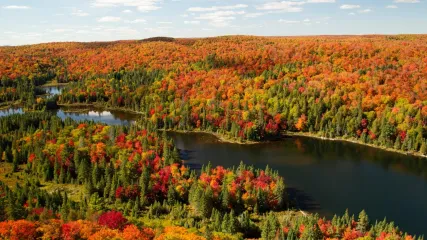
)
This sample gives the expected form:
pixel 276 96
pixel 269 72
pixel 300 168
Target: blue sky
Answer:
pixel 36 21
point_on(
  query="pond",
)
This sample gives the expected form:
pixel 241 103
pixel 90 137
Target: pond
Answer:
pixel 97 115
pixel 324 176
pixel 329 176
pixel 53 90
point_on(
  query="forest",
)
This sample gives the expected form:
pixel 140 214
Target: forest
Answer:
pixel 370 89
pixel 85 180
pixel 67 179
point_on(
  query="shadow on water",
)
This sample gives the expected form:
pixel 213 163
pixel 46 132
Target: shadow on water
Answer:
pixel 185 154
pixel 328 177
pixel 193 165
pixel 188 160
pixel 301 200
pixel 325 176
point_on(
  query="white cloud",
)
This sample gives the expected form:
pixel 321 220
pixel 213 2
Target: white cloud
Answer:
pixel 127 11
pixel 139 20
pixel 217 8
pixel 16 7
pixel 141 5
pixel 109 19
pixel 122 31
pixel 406 1
pixel 220 18
pixel 284 6
pixel 289 5
pixel 365 10
pixel 164 22
pixel 60 30
pixel 253 15
pixel 192 22
pixel 346 6
pixel 391 6
pixel 352 14
pixel 321 1
pixel 33 34
pixel 289 21
pixel 79 13
pixel 82 32
pixel 306 21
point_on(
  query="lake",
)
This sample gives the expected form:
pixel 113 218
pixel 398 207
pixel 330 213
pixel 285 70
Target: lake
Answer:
pixel 79 114
pixel 329 176
pixel 53 90
pixel 324 176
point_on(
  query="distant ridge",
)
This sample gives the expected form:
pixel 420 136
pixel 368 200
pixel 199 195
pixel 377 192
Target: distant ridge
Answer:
pixel 158 39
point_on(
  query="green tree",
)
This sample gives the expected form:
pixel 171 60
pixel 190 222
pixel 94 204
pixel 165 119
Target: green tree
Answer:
pixel 363 222
pixel 269 227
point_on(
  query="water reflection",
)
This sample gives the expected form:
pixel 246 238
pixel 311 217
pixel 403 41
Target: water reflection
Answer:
pixel 10 111
pixel 330 176
pixel 53 90
pixel 78 114
pixel 324 176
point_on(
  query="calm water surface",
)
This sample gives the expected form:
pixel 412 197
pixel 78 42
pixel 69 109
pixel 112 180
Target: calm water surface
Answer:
pixel 97 115
pixel 324 176
pixel 53 90
pixel 330 176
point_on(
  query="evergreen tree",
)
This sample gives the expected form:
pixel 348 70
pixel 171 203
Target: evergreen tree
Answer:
pixel 363 222
pixel 171 197
pixel 225 223
pixel 279 192
pixel 269 227
pixel 423 148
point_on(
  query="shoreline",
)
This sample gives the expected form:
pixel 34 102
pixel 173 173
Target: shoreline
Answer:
pixel 10 104
pixel 311 135
pixel 54 84
pixel 224 138
pixel 221 137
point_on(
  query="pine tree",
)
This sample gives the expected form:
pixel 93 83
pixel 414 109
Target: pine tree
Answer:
pixel 363 222
pixel 225 223
pixel 55 171
pixel 15 162
pixel 208 233
pixel 292 234
pixel 14 209
pixel 225 196
pixel 233 227
pixel 244 221
pixel 423 148
pixel 269 227
pixel 312 230
pixel 65 208
pixel 166 155
pixel 171 197
pixel 61 175
pixel 83 171
pixel 95 174
pixel 279 192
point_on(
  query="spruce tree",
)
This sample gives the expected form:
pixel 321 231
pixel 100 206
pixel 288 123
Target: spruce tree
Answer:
pixel 363 222
pixel 279 192
pixel 225 223
pixel 423 148
pixel 171 196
